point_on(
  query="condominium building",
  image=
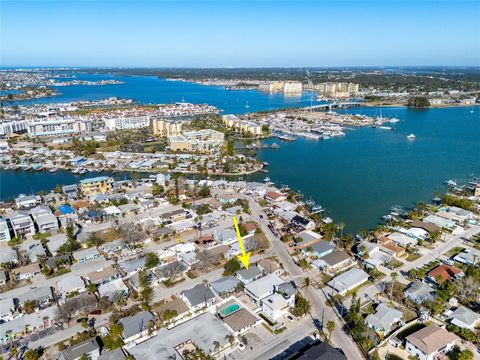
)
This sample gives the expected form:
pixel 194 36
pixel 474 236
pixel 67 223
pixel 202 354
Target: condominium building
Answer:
pixel 243 126
pixel 281 86
pixel 127 122
pixel 97 185
pixel 203 141
pixel 14 126
pixel 58 126
pixel 166 128
pixel 337 90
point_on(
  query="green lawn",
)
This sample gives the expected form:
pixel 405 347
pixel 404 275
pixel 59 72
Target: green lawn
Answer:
pixel 454 251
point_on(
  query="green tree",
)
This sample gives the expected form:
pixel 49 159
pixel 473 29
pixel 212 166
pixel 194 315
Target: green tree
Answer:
pixel 151 260
pixel 330 328
pixel 231 266
pixel 302 305
pixel 114 338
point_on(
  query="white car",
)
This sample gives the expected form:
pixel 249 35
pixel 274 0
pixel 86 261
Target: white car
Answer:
pixel 241 346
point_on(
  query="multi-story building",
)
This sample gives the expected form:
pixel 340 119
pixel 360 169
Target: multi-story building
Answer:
pixel 97 185
pixel 292 87
pixel 4 230
pixel 281 86
pixel 14 126
pixel 44 218
pixel 166 128
pixel 243 126
pixel 337 90
pixel 58 126
pixel 127 122
pixel 203 141
pixel 22 223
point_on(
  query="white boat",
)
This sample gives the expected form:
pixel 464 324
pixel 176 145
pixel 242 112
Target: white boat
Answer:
pixel 385 127
pixel 393 120
pixel 247 106
pixel 411 137
pixel 471 111
pixel 267 179
pixel 52 170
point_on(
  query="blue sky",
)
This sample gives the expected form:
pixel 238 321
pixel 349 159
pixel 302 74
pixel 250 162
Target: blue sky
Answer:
pixel 246 33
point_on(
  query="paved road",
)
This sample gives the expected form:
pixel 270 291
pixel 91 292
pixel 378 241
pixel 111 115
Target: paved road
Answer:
pixel 339 338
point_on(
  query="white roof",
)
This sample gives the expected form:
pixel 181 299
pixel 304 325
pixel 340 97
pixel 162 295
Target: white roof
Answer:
pixel 348 280
pixel 263 285
pixel 70 283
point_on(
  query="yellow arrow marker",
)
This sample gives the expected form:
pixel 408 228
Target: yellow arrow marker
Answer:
pixel 245 257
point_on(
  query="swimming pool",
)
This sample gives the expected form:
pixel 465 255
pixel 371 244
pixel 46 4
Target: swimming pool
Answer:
pixel 227 310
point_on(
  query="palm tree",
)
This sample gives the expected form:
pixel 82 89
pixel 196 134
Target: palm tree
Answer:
pixel 92 289
pixel 306 283
pixel 394 276
pixel 216 346
pixel 13 352
pixel 341 226
pixel 330 328
pixel 230 338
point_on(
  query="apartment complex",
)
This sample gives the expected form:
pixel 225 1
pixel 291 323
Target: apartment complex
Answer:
pixel 243 126
pixel 337 90
pixel 202 141
pixel 97 185
pixel 58 126
pixel 281 86
pixel 126 122
pixel 166 128
pixel 14 126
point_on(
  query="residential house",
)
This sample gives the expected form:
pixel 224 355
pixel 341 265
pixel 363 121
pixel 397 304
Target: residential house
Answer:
pixel 430 341
pixel 465 318
pixel 26 272
pixel 240 321
pixel 443 273
pixel 44 218
pixel 84 255
pixel 70 285
pixel 276 305
pixel 402 240
pixel 419 292
pixel 269 266
pixel 22 223
pixel 384 318
pixel 112 289
pixel 97 185
pixel 90 348
pixel 135 327
pixel 4 230
pixel 308 239
pixel 4 277
pixel 27 201
pixel 246 276
pixel 225 236
pixel 274 196
pixel 204 331
pixel 41 295
pixel 224 285
pixel 334 262
pixel 198 297
pixel 316 350
pixel 321 248
pixel 132 266
pixel 302 222
pixel 55 242
pixel 348 280
pixel 259 289
pixel 117 354
pixel 103 276
pixel 7 309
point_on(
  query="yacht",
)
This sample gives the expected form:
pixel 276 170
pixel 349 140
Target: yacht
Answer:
pixel 267 179
pixel 411 137
pixel 385 127
pixel 53 169
pixel 247 106
pixel 393 120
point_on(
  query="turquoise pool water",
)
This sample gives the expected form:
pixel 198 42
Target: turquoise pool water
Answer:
pixel 227 310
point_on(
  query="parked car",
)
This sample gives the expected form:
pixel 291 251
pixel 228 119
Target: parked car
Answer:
pixel 241 346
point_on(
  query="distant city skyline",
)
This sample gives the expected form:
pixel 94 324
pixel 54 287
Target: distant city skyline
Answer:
pixel 239 34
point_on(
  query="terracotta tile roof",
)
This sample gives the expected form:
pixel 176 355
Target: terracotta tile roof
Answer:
pixel 445 271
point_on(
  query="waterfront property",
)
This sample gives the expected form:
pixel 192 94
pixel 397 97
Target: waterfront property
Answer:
pixel 98 185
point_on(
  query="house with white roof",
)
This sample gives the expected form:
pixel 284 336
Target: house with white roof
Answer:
pixel 384 318
pixel 84 255
pixel 71 284
pixel 27 201
pixel 4 230
pixel 465 318
pixel 348 280
pixel 22 223
pixel 263 287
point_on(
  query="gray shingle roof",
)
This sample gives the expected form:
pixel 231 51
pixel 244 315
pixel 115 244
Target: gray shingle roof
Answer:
pixel 137 323
pixel 198 294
